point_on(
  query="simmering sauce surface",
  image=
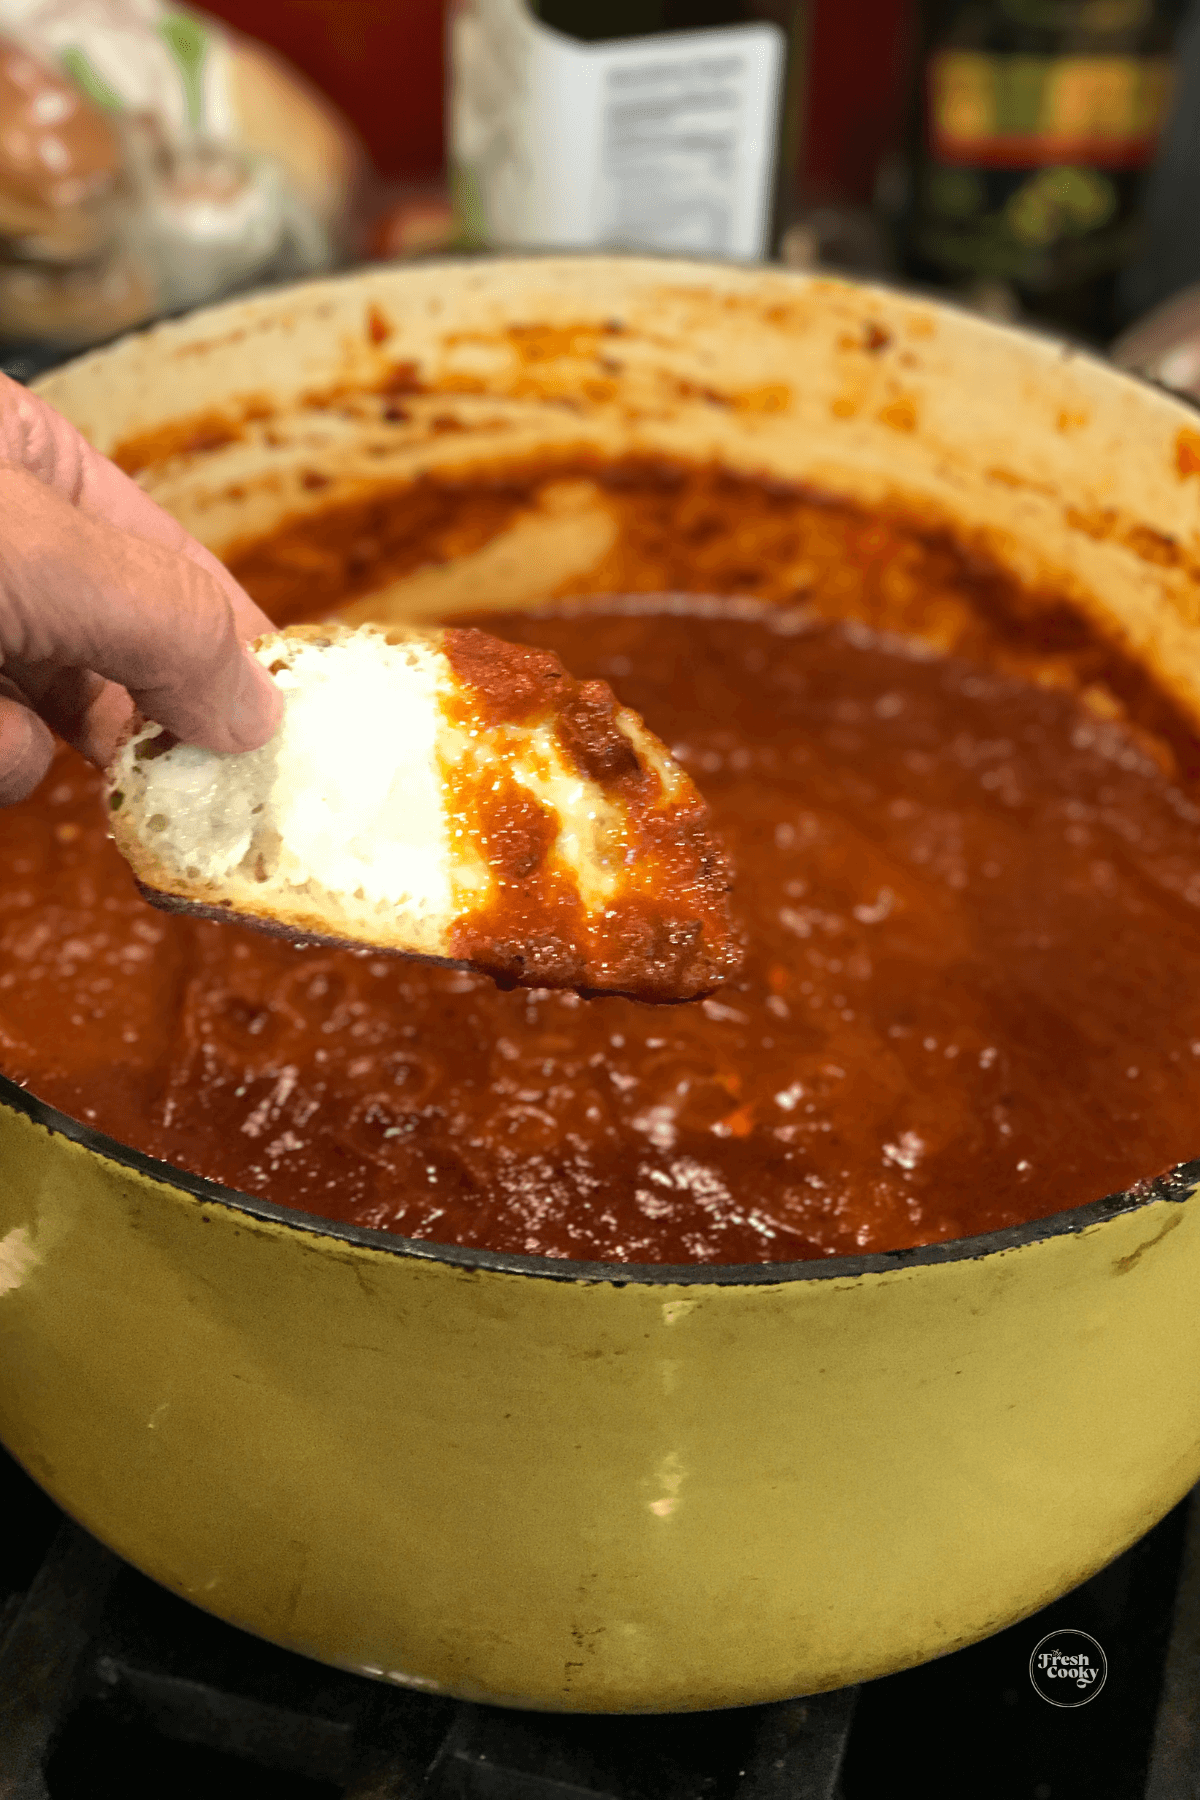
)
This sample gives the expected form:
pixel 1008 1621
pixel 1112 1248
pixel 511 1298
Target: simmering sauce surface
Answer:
pixel 971 995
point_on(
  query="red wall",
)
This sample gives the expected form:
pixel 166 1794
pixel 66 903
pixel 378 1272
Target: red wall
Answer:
pixel 380 60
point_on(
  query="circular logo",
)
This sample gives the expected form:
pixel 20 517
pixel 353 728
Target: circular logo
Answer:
pixel 1068 1668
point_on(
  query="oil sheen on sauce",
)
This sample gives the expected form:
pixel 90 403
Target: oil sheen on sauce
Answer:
pixel 971 995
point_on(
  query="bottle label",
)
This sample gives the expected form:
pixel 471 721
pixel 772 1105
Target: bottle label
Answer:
pixel 655 143
pixel 1022 112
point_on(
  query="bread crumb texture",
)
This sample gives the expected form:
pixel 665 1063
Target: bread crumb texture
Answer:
pixel 446 795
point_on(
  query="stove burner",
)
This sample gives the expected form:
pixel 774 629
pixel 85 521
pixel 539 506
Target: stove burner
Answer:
pixel 108 1683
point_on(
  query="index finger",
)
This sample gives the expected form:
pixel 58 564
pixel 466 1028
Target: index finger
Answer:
pixel 77 594
pixel 36 437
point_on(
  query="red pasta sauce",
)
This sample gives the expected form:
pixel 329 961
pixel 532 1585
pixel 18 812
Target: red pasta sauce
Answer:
pixel 971 994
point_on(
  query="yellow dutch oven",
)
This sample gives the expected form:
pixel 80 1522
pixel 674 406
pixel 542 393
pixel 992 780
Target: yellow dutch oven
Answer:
pixel 601 1487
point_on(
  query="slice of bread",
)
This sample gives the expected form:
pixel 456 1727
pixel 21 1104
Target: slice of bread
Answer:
pixel 445 795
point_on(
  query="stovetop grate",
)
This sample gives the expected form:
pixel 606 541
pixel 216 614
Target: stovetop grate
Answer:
pixel 108 1682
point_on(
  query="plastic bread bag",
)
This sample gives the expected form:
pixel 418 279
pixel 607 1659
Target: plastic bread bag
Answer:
pixel 151 160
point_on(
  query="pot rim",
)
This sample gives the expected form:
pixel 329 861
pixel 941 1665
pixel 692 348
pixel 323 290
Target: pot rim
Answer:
pixel 1175 1184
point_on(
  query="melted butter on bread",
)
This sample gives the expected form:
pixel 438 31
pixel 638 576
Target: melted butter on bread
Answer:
pixel 440 794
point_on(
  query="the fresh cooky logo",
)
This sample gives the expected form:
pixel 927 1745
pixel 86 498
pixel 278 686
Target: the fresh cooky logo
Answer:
pixel 1068 1668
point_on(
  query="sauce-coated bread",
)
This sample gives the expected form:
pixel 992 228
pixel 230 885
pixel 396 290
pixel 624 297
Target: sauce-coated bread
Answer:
pixel 441 794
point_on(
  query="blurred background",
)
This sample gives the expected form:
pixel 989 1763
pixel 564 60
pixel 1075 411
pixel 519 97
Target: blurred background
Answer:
pixel 1037 160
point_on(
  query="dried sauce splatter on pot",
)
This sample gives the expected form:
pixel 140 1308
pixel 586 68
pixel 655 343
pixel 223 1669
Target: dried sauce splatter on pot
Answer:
pixel 972 994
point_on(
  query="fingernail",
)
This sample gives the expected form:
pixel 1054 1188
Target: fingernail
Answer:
pixel 257 706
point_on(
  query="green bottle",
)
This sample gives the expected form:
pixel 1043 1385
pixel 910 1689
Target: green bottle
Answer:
pixel 1040 118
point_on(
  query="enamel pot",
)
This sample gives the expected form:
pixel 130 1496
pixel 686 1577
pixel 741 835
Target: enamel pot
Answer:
pixel 601 1487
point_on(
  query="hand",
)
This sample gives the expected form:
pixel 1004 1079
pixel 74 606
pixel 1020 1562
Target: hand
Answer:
pixel 106 604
